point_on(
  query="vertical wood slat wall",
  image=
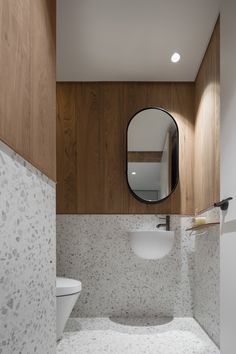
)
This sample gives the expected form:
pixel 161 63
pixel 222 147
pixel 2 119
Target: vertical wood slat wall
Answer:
pixel 28 80
pixel 92 119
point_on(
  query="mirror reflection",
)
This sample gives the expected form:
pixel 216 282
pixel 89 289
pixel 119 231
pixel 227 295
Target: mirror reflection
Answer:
pixel 152 155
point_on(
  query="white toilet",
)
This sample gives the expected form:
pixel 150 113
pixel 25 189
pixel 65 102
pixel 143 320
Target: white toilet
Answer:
pixel 67 293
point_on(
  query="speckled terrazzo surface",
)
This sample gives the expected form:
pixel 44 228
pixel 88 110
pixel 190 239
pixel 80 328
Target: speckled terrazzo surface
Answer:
pixel 27 258
pixel 95 249
pixel 116 336
pixel 207 278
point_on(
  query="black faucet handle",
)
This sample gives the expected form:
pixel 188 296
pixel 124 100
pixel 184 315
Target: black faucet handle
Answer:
pixel 223 204
pixel 167 222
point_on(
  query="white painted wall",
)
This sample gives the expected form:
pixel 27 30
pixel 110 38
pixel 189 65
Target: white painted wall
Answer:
pixel 228 176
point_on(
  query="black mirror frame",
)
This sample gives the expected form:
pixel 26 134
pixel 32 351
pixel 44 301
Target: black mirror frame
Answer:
pixel 177 162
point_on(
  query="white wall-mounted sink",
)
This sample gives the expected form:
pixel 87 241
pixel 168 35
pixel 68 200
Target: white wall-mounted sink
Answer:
pixel 152 244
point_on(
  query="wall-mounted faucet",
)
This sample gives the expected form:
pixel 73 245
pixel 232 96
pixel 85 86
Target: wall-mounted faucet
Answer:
pixel 167 223
pixel 223 204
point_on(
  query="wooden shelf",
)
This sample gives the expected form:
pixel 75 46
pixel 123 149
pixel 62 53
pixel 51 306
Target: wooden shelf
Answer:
pixel 203 226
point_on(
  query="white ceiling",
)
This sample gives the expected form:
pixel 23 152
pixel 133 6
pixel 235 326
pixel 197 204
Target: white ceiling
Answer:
pixel 132 40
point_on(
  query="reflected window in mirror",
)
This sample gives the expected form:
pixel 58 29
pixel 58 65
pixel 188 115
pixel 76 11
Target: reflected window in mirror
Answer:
pixel 152 155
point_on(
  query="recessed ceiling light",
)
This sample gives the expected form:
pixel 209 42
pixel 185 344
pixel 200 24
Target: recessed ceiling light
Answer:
pixel 133 173
pixel 175 58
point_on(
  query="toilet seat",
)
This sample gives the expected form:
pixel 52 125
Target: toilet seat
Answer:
pixel 66 286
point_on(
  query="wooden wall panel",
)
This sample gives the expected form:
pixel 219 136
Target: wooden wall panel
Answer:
pixel 177 98
pixel 112 148
pixel 43 86
pixel 67 148
pixel 27 80
pixel 15 74
pixel 89 102
pixel 207 170
pixel 89 135
pixel 102 112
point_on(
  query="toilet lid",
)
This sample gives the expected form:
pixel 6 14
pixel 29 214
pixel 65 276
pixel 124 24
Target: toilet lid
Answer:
pixel 65 286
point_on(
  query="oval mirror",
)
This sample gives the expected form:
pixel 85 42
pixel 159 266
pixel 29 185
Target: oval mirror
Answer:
pixel 152 155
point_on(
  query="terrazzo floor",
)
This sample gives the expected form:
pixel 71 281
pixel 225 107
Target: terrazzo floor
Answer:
pixel 135 336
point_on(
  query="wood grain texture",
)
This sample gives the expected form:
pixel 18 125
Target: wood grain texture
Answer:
pixel 67 149
pixel 99 148
pixel 145 156
pixel 43 86
pixel 27 80
pixel 15 74
pixel 207 170
pixel 102 112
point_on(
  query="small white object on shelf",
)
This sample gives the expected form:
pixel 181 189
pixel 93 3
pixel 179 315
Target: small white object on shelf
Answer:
pixel 199 220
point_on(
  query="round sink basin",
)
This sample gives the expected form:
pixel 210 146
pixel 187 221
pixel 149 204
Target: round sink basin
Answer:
pixel 152 244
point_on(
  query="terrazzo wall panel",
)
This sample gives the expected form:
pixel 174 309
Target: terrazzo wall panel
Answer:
pixel 115 282
pixel 207 278
pixel 27 258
